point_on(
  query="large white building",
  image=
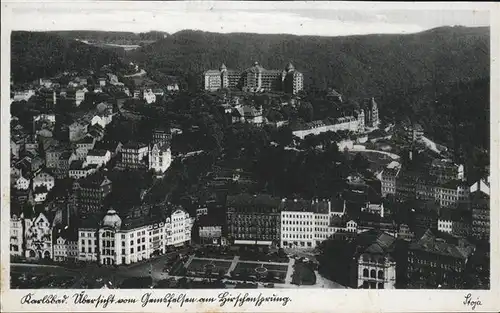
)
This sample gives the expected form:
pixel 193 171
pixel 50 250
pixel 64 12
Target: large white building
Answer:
pixel 348 123
pixel 160 157
pixel 139 235
pixel 306 223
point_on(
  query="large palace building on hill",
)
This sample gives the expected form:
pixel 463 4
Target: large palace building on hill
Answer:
pixel 255 79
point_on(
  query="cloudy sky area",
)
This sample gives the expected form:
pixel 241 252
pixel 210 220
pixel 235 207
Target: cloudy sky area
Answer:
pixel 320 18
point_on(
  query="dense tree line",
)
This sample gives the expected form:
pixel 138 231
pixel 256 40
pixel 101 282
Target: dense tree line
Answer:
pixel 112 37
pixel 367 65
pixel 35 55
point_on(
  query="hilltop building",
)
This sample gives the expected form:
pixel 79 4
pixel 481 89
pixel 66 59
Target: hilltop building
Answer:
pixel 255 79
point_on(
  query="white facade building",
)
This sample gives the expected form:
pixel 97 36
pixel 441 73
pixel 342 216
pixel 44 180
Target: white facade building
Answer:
pixel 149 96
pixel 97 157
pixel 65 248
pixel 23 95
pixel 305 224
pixel 445 225
pixel 38 237
pixel 160 158
pixel 349 123
pixel 139 236
pixel 21 183
pixel 16 235
pixel 43 179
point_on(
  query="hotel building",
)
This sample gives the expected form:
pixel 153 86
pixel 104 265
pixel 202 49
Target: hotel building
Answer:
pixel 255 79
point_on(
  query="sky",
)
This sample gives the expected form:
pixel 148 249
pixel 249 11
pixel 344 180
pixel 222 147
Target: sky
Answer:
pixel 299 18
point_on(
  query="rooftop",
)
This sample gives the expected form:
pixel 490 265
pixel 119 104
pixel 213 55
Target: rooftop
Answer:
pixel 98 152
pixel 451 247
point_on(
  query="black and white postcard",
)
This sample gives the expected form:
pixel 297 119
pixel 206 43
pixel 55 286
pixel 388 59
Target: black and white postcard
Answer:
pixel 249 156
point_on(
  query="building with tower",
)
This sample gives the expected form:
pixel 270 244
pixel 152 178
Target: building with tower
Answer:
pixel 255 79
pixel 371 115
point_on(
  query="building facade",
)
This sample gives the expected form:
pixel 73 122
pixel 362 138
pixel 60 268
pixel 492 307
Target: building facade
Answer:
pixel 38 237
pixel 376 264
pixel 160 158
pixel 434 261
pixel 348 123
pixel 480 204
pixel 91 192
pixel 138 236
pixel 255 79
pixel 306 223
pixel 253 220
pixel 133 156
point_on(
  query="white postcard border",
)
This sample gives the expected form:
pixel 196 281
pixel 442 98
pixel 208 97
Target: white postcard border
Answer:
pixel 301 300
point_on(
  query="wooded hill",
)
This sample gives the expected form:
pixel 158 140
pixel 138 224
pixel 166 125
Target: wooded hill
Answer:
pixel 36 54
pixel 368 65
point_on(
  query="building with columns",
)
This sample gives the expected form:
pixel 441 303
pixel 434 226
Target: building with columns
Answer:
pixel 376 264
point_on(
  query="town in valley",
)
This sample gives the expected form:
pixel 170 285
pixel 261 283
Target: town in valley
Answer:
pixel 250 175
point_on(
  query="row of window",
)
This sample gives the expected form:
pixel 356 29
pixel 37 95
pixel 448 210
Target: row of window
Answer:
pixel 372 285
pixel 299 243
pixel 298 236
pixel 373 273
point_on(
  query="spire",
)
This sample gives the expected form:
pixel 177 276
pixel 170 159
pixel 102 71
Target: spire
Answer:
pixel 223 67
pixel 290 67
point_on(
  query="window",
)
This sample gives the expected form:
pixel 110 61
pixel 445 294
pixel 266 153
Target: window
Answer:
pixel 373 274
pixel 131 250
pixel 381 274
pixel 365 272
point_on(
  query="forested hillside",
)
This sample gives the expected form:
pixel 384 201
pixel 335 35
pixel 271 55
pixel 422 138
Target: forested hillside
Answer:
pixel 120 38
pixel 456 115
pixel 36 54
pixel 369 65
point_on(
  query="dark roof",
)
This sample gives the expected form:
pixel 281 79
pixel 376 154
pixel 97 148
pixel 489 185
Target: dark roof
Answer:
pixel 454 184
pixel 65 155
pixel 94 180
pixel 68 233
pixel 76 165
pixel 210 220
pixel 247 200
pixel 454 214
pixel 107 145
pixel 97 152
pixel 375 242
pixel 134 145
pixel 452 247
pixel 86 140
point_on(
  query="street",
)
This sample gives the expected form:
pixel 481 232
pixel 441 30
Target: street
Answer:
pixel 92 273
